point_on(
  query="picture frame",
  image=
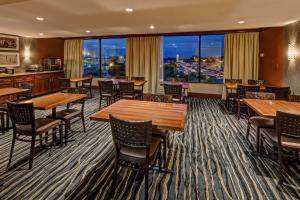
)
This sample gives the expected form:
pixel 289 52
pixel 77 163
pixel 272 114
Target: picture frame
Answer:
pixel 9 43
pixel 9 59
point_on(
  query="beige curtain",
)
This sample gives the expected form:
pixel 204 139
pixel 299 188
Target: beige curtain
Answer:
pixel 73 54
pixel 241 55
pixel 143 59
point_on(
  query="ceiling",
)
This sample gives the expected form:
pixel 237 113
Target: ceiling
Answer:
pixel 70 18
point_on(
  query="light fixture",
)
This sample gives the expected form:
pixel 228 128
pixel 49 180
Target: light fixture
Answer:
pixel 241 22
pixel 152 27
pixel 87 31
pixel 27 53
pixel 291 52
pixel 40 18
pixel 41 34
pixel 129 9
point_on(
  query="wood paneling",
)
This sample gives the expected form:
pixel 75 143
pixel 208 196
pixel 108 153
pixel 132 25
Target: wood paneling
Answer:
pixel 50 48
pixel 271 64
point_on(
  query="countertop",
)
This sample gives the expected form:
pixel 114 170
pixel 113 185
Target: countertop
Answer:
pixel 2 75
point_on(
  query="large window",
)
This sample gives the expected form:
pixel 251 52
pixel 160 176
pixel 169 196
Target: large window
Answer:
pixel 112 60
pixel 193 58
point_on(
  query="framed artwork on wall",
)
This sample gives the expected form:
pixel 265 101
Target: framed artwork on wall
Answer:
pixel 9 59
pixel 9 43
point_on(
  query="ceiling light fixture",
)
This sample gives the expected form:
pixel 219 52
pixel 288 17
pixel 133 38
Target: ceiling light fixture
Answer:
pixel 41 34
pixel 87 31
pixel 152 27
pixel 241 22
pixel 129 9
pixel 40 18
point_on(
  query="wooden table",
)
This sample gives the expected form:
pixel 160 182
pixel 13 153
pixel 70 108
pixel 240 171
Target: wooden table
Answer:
pixel 169 116
pixel 185 85
pixel 11 91
pixel 136 82
pixel 54 100
pixel 233 86
pixel 77 80
pixel 268 108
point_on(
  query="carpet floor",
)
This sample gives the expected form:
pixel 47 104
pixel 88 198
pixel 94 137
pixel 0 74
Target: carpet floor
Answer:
pixel 212 159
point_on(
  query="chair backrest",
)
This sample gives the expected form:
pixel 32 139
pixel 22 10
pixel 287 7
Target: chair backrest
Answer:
pixel 88 82
pixel 175 90
pixel 106 86
pixel 64 83
pixel 134 134
pixel 242 89
pixel 78 90
pixel 281 93
pixel 21 114
pixel 126 88
pixel 157 98
pixel 137 78
pixel 260 95
pixel 287 125
pixel 294 98
pixel 28 86
pixel 252 82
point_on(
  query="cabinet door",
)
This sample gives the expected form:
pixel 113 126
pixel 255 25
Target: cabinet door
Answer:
pixel 5 83
pixel 42 84
pixel 55 80
pixel 23 79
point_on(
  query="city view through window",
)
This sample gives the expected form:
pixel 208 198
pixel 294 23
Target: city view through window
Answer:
pixel 185 58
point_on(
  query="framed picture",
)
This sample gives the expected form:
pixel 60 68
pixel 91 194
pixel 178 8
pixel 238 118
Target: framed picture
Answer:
pixel 9 59
pixel 9 43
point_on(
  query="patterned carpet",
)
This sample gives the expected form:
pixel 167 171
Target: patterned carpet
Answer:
pixel 211 159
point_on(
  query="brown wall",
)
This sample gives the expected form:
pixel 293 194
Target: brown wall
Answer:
pixel 271 63
pixel 50 48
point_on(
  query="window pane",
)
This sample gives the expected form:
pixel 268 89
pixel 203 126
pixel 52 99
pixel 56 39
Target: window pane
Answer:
pixel 212 57
pixel 181 58
pixel 113 55
pixel 91 64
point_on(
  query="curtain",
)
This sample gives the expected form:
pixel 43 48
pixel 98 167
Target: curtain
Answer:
pixel 73 54
pixel 241 55
pixel 143 59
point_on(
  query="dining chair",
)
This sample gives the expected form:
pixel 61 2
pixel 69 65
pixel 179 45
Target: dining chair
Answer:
pixel 281 93
pixel 87 84
pixel 294 98
pixel 126 89
pixel 2 120
pixel 64 83
pixel 137 78
pixel 241 94
pixel 156 132
pixel 255 121
pixel 27 94
pixel 26 126
pixel 69 114
pixel 4 111
pixel 106 89
pixel 231 94
pixel 138 89
pixel 285 136
pixel 134 146
pixel 175 90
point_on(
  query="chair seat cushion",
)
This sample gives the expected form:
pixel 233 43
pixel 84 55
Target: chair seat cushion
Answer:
pixel 262 122
pixel 286 142
pixel 68 114
pixel 141 153
pixel 42 125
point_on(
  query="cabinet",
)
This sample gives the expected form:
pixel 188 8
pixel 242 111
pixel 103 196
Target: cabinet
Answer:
pixel 42 84
pixel 55 84
pixel 23 79
pixel 6 82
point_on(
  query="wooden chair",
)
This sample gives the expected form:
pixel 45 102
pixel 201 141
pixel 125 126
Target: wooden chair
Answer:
pixel 294 98
pixel 258 122
pixel 25 125
pixel 241 94
pixel 64 83
pixel 27 94
pixel 230 94
pixel 281 93
pixel 106 89
pixel 139 90
pixel 5 120
pixel 174 90
pixel 134 146
pixel 127 90
pixel 286 136
pixel 69 114
pixel 87 84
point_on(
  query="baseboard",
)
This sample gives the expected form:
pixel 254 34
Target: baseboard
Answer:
pixel 204 95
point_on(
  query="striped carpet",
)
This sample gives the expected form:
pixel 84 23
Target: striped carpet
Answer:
pixel 211 159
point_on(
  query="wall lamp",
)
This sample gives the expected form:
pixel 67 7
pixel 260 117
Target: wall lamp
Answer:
pixel 291 52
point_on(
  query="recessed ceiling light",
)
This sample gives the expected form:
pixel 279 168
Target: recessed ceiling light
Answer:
pixel 28 36
pixel 241 22
pixel 40 18
pixel 87 31
pixel 129 9
pixel 41 33
pixel 152 27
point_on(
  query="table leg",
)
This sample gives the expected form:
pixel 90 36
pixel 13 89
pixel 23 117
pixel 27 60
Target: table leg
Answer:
pixel 76 83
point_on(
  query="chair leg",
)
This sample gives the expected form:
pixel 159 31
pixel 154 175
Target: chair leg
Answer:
pixel 115 176
pixel 31 152
pixel 165 152
pixel 258 140
pixel 100 102
pixel 66 133
pixel 248 129
pixel 91 92
pixel 281 168
pixel 7 121
pixel 11 150
pixel 61 135
pixel 239 109
pixel 2 123
pixel 83 122
pixel 146 180
pixel 107 101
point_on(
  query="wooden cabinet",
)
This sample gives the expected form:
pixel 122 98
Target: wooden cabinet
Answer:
pixel 42 84
pixel 55 85
pixel 23 79
pixel 6 82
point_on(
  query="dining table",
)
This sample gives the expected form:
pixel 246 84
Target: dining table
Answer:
pixel 234 86
pixel 136 82
pixel 4 92
pixel 79 79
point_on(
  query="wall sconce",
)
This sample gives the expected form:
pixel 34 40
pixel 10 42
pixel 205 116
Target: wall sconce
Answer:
pixel 27 53
pixel 291 52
